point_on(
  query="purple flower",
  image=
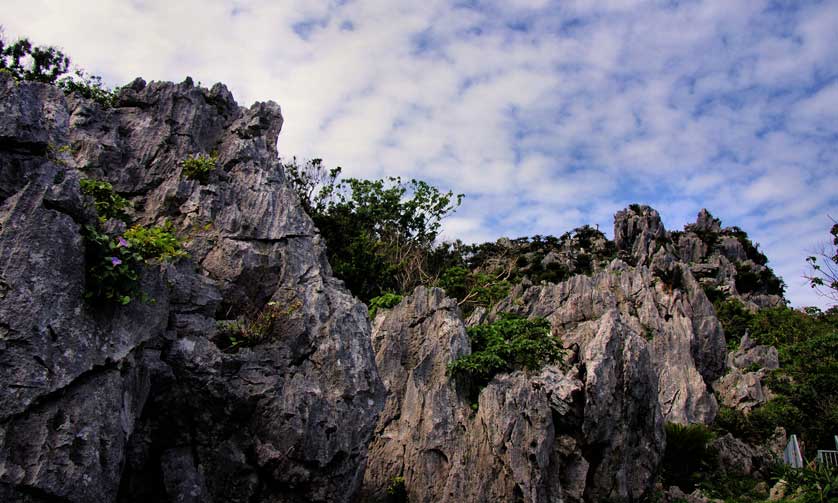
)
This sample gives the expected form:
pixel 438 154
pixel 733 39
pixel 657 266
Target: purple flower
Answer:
pixel 115 261
pixel 121 242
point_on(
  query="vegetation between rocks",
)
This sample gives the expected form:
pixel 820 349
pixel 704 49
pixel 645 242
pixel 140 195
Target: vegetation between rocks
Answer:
pixel 113 261
pixel 509 343
pixel 256 328
pixel 386 301
pixel 199 167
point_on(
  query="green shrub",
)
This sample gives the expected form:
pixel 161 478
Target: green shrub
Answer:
pixel 816 484
pixel 509 343
pixel 735 320
pixel 714 295
pixel 255 329
pixel 687 453
pixel 396 491
pixel 379 234
pixel 90 87
pixel 113 262
pixel 108 203
pixel 806 384
pixel 386 301
pixel 473 289
pixel 199 167
pixel 158 242
pixel 48 65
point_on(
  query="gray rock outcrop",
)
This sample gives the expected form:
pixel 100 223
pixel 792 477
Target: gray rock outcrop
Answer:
pixel 144 402
pixel 685 340
pixel 589 432
pixel 743 387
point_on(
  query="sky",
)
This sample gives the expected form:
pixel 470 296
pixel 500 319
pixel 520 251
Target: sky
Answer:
pixel 547 115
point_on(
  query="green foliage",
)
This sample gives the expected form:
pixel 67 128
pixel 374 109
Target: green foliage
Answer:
pixel 199 167
pixel 511 342
pixel 379 233
pixel 805 385
pixel 90 87
pixel 731 488
pixel 108 203
pixel 751 249
pixel 735 320
pixel 158 242
pixel 687 453
pixel 817 484
pixel 49 65
pixel 33 63
pixel 113 262
pixel 714 295
pixel 112 271
pixel 474 289
pixel 256 328
pixel 396 491
pixel 313 183
pixel 386 301
pixel 762 281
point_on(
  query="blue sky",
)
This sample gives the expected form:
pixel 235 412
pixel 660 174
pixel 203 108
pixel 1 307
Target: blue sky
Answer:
pixel 547 115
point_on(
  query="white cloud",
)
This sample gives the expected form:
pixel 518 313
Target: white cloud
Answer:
pixel 548 115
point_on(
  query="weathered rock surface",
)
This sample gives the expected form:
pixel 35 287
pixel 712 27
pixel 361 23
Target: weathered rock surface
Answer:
pixel 685 339
pixel 739 458
pixel 590 432
pixel 639 233
pixel 138 403
pixel 724 259
pixel 742 387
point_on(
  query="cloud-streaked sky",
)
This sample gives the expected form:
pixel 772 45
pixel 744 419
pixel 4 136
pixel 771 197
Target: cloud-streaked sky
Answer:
pixel 547 115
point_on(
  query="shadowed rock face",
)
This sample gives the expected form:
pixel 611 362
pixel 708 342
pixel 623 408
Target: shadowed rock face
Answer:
pixel 137 403
pixel 589 432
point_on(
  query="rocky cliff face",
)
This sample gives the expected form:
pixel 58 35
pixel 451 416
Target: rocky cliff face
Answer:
pixel 138 402
pixel 591 431
pixel 150 402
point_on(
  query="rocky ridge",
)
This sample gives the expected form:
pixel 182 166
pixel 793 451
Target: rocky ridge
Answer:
pixel 139 403
pixel 589 432
pixel 147 402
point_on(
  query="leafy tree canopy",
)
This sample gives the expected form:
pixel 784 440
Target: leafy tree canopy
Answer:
pixel 379 233
pixel 49 65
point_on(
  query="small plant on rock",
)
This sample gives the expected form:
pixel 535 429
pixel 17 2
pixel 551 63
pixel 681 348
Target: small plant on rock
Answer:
pixel 108 203
pixel 687 452
pixel 396 491
pixel 510 343
pixel 158 242
pixel 252 330
pixel 385 301
pixel 114 262
pixel 199 166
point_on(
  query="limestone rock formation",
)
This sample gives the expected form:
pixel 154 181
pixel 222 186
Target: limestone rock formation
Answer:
pixel 638 233
pixel 589 432
pixel 742 387
pixel 725 260
pixel 685 339
pixel 142 402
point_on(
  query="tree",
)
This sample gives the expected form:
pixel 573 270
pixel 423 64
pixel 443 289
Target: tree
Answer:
pixel 39 64
pixel 823 267
pixel 49 65
pixel 379 233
